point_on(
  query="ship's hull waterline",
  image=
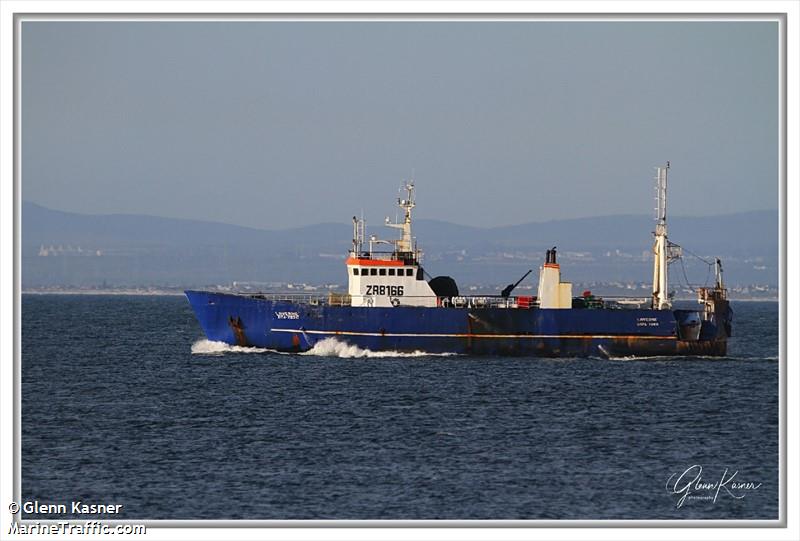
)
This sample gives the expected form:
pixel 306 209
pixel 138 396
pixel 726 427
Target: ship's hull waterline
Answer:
pixel 248 320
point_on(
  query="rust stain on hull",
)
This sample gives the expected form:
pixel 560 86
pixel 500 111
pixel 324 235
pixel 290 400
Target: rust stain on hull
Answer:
pixel 717 348
pixel 642 347
pixel 237 327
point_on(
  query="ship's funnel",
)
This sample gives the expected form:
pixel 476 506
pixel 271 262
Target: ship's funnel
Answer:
pixel 553 293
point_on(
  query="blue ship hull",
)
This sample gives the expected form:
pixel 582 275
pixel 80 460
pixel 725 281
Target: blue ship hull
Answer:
pixel 253 320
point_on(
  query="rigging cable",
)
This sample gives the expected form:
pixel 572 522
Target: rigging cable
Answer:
pixel 708 263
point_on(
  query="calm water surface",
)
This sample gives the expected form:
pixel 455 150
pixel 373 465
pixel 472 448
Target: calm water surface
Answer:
pixel 123 402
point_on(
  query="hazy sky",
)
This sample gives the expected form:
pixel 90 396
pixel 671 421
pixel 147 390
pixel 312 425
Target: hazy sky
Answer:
pixel 278 124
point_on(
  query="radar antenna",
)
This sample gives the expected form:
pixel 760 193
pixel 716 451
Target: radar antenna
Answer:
pixel 405 243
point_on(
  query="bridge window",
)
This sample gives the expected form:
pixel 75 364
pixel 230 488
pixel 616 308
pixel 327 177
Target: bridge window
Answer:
pixel 364 272
pixel 373 272
pixel 409 272
pixel 355 272
pixel 391 272
pixel 382 272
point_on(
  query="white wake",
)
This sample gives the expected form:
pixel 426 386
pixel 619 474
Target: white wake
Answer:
pixel 331 347
pixel 328 347
pixel 210 347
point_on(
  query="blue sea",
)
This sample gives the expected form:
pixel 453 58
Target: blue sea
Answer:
pixel 124 402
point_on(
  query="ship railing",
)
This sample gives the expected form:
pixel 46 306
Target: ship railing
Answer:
pixel 486 301
pixel 627 302
pixel 460 301
pixel 408 258
pixel 314 299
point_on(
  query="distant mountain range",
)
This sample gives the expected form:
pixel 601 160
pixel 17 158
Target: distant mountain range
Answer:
pixel 63 248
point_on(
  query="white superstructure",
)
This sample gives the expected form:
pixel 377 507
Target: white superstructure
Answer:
pixel 390 277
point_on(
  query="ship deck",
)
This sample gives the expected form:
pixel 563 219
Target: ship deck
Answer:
pixel 461 301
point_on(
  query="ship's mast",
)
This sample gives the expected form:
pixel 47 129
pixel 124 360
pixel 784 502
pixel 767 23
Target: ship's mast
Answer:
pixel 405 243
pixel 358 236
pixel 660 245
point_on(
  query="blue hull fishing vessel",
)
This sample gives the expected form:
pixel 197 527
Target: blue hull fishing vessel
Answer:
pixel 391 306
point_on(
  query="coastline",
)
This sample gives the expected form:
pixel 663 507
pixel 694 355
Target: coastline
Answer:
pixel 179 293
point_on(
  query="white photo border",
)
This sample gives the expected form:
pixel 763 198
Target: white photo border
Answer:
pixel 13 13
